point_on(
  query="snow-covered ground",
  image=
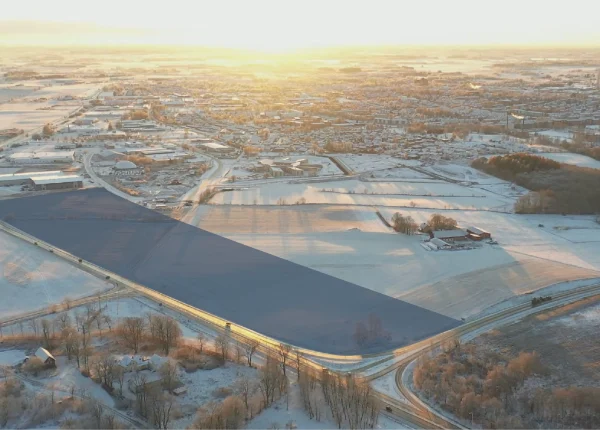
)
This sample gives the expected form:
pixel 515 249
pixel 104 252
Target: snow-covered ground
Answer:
pixel 286 219
pixel 31 278
pixel 11 357
pixel 367 162
pixel 534 251
pixel 68 375
pixel 281 414
pixel 202 383
pixel 571 158
pixel 557 134
pixel 353 192
pixel 28 116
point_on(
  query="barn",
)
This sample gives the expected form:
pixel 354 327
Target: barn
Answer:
pixel 47 358
pixel 476 233
pixel 456 235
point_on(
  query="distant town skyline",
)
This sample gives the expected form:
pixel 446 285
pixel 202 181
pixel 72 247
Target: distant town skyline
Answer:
pixel 279 26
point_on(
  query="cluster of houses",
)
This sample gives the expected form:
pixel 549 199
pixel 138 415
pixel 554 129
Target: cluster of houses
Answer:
pixel 129 363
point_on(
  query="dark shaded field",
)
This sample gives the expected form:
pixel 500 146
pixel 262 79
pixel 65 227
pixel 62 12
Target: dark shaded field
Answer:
pixel 270 295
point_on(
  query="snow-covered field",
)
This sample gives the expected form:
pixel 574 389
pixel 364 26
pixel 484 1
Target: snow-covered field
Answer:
pixel 11 357
pixel 368 162
pixel 31 278
pixel 396 265
pixel 398 173
pixel 285 219
pixel 28 116
pixel 68 375
pixel 557 134
pixel 571 158
pixel 354 192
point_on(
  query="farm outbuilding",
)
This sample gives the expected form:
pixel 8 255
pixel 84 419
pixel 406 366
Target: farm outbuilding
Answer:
pixel 451 235
pixel 47 358
pixel 475 233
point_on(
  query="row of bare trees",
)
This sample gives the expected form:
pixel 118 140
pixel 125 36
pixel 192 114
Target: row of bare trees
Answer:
pixel 350 401
pixel 161 330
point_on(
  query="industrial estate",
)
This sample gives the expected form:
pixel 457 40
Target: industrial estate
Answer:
pixel 345 239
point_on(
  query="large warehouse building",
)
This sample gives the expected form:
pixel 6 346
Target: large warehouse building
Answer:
pixel 57 182
pixel 45 157
pixel 48 180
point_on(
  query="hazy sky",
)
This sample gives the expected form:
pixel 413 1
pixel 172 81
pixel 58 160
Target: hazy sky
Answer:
pixel 284 24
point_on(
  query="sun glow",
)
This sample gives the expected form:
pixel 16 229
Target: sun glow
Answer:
pixel 277 26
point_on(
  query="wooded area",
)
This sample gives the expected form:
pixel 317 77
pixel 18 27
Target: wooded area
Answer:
pixel 557 188
pixel 499 391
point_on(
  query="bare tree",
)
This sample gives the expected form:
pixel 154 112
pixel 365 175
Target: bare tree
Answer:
pixel 168 371
pixel 142 393
pixel 34 325
pixel 104 368
pixel 284 352
pixel 239 352
pixel 298 356
pixel 165 330
pixel 97 410
pixel 47 333
pixel 131 331
pixel 63 321
pixel 108 321
pixel 245 387
pixel 222 343
pixel 119 376
pixel 271 380
pixel 161 406
pixel 69 339
pixel 201 341
pixel 249 349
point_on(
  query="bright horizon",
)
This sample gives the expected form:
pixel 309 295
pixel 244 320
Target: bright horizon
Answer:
pixel 279 26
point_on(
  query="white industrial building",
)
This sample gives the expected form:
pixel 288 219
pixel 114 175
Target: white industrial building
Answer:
pixel 57 182
pixel 47 180
pixel 126 168
pixel 42 157
pixel 216 147
pixel 24 178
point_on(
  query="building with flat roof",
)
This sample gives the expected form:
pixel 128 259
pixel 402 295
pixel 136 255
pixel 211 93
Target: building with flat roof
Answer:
pixel 24 178
pixel 42 157
pixel 451 235
pixel 216 147
pixel 57 182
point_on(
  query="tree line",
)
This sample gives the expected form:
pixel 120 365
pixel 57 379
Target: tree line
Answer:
pixel 492 389
pixel 556 187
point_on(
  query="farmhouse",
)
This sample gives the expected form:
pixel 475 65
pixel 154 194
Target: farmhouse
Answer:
pixel 475 233
pixel 130 363
pixel 47 358
pixel 451 235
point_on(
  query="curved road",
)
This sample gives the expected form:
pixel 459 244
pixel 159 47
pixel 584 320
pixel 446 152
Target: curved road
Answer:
pixel 414 411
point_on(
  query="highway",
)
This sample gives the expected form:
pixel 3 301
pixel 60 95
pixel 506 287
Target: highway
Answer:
pixel 415 407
